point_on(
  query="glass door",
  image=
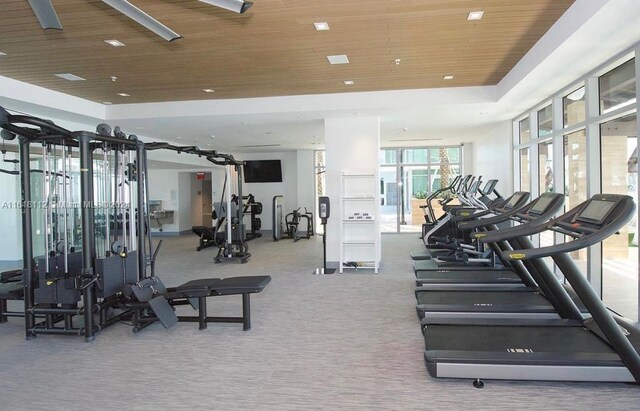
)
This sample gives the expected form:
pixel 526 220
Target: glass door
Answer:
pixel 407 177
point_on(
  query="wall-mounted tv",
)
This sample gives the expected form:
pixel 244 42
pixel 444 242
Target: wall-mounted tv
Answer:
pixel 262 171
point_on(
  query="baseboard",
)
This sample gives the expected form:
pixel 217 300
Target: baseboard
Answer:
pixel 170 233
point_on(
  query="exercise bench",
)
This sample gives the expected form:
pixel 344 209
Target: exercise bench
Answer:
pixel 155 302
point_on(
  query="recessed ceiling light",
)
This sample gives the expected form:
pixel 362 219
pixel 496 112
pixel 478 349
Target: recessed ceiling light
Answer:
pixel 2 54
pixel 114 78
pixel 208 144
pixel 475 15
pixel 244 123
pixel 405 129
pixel 124 95
pixel 348 82
pixel 321 26
pixel 358 114
pixel 338 59
pixel 107 102
pixel 212 136
pixel 448 77
pixel 208 90
pixel 114 43
pixel 397 61
pixel 70 77
pixel 179 138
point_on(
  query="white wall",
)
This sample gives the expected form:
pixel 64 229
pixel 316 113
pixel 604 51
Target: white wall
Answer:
pixel 264 192
pixel 351 144
pixel 306 180
pixel 492 157
pixel 165 185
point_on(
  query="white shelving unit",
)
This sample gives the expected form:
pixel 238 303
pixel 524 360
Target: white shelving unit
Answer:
pixel 360 221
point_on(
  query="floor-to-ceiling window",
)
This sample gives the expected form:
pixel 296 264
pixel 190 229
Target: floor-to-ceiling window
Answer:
pixel 407 177
pixel 591 126
pixel 619 175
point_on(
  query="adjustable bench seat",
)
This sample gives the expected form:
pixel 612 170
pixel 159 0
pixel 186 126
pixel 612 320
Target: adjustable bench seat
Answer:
pixel 195 293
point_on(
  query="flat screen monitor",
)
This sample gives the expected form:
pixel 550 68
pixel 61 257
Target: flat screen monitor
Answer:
pixel 596 211
pixel 488 188
pixel 541 205
pixel 262 171
pixel 515 199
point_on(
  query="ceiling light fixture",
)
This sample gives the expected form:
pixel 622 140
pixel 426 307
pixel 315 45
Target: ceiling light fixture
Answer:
pixel 397 61
pixel 70 77
pixel 208 90
pixel 239 6
pixel 179 138
pixel 114 43
pixel 338 59
pixel 142 18
pixel 475 15
pixel 107 102
pixel 212 136
pixel 321 26
pixel 124 95
pixel 448 77
pixel 46 14
pixel 114 78
pixel 348 82
pixel 2 54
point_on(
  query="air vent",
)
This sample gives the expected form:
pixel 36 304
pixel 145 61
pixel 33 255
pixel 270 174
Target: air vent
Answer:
pixel 70 77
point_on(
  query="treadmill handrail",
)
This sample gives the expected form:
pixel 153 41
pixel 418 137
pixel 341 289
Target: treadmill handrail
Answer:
pixel 623 216
pixel 539 221
pixel 498 218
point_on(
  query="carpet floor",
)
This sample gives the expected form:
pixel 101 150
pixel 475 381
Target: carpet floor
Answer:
pixel 348 341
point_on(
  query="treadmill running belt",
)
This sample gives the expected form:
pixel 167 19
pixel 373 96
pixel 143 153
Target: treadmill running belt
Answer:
pixel 482 300
pixel 467 277
pixel 502 339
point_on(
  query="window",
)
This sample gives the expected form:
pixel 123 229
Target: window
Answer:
pixel 545 121
pixel 618 87
pixel 407 177
pixel 545 167
pixel 618 142
pixel 525 132
pixel 574 108
pixel 525 175
pixel 575 168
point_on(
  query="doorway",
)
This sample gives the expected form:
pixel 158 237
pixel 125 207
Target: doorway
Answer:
pixel 201 199
pixel 407 177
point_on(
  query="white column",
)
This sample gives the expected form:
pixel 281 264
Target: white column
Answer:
pixel 352 144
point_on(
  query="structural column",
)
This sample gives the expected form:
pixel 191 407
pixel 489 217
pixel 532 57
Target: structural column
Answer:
pixel 352 144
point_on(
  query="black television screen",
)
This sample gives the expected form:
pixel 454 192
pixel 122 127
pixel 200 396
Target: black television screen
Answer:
pixel 262 171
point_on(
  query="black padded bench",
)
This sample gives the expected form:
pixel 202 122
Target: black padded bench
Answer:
pixel 152 294
pixel 9 291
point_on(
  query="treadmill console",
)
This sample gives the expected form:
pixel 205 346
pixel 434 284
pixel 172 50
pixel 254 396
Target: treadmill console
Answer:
pixel 541 205
pixel 515 199
pixel 596 211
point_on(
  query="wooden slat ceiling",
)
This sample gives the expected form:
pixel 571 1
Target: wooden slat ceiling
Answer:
pixel 271 50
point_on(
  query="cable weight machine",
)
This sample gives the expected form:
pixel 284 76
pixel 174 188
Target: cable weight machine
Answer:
pixel 77 256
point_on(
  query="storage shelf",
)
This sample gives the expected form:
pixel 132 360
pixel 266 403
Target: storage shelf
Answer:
pixel 359 237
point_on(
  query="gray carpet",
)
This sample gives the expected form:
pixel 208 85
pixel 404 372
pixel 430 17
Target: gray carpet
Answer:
pixel 347 341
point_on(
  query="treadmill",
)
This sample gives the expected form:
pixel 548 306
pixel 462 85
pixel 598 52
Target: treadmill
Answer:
pixel 486 204
pixel 428 271
pixel 537 298
pixel 600 347
pixel 538 211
